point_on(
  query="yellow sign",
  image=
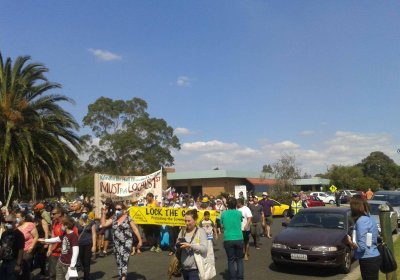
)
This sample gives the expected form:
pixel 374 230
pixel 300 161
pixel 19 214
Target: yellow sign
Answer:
pixel 164 215
pixel 333 188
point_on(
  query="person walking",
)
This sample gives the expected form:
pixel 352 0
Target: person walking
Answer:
pixel 246 222
pixel 231 220
pixel 12 240
pixel 366 239
pixel 256 221
pixel 369 194
pixel 70 248
pixel 268 210
pixel 31 236
pixel 123 227
pixel 86 240
pixel 192 240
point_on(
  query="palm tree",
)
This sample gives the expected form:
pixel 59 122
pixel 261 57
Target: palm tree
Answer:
pixel 38 142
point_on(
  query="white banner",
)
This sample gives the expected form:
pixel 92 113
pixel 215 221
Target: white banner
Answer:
pixel 126 187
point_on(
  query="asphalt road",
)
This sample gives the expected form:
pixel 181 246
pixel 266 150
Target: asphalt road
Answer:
pixel 150 265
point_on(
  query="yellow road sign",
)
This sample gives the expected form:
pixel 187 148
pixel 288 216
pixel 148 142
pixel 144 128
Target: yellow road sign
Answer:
pixel 333 188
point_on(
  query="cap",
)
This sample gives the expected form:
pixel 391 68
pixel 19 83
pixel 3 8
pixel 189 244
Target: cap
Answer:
pixel 205 199
pixel 39 206
pixel 265 193
pixel 255 197
pixel 295 194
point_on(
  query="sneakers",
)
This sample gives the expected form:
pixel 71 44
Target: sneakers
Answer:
pixel 158 250
pixel 101 254
pixel 153 249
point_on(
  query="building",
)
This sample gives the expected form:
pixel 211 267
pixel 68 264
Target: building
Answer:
pixel 213 182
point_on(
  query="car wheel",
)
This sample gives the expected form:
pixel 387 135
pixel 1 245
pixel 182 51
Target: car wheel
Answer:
pixel 346 266
pixel 331 202
pixel 285 213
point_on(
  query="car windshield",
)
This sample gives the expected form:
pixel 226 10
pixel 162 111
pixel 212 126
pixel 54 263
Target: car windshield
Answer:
pixel 374 209
pixel 318 219
pixel 391 198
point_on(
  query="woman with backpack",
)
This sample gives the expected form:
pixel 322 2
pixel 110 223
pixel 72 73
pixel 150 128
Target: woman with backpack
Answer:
pixel 124 228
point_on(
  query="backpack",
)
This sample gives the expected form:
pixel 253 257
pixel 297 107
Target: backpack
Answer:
pixel 6 249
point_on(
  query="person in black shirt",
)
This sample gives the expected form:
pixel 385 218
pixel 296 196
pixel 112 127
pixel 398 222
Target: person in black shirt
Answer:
pixel 11 249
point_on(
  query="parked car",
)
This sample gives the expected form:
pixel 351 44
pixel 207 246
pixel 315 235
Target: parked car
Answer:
pixel 324 197
pixel 374 212
pixel 314 201
pixel 315 236
pixel 349 193
pixel 280 209
pixel 393 197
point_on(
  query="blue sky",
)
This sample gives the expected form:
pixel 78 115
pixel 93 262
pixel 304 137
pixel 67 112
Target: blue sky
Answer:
pixel 241 81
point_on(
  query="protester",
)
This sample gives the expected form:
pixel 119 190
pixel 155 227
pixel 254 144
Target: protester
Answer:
pixel 124 228
pixel 366 239
pixel 209 227
pixel 135 250
pixel 246 222
pixel 70 249
pixel 54 250
pixel 105 235
pixel 268 211
pixel 86 241
pixel 192 240
pixel 231 220
pixel 152 232
pixel 28 229
pixel 40 209
pixel 256 221
pixel 12 240
pixel 219 208
pixel 42 228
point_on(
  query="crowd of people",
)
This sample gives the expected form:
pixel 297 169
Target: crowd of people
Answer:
pixel 58 238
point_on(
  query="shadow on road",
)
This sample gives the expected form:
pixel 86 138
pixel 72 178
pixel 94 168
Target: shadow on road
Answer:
pixel 305 270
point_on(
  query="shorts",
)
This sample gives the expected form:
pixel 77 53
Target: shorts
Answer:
pixel 246 237
pixel 268 220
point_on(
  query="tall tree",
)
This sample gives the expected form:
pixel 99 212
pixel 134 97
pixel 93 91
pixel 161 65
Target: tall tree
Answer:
pixel 37 137
pixel 128 141
pixel 381 168
pixel 287 171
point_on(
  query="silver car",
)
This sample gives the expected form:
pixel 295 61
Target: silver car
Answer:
pixel 393 197
pixel 374 213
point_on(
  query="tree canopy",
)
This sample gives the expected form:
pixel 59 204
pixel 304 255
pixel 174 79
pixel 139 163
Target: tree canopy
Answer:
pixel 38 137
pixel 127 140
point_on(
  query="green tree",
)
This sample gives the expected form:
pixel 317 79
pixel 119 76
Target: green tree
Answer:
pixel 128 141
pixel 37 137
pixel 381 168
pixel 267 168
pixel 363 183
pixel 343 176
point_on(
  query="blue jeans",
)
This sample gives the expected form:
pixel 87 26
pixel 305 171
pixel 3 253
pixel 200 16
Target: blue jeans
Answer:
pixel 234 253
pixel 190 274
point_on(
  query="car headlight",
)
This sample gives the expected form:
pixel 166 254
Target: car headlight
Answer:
pixel 279 246
pixel 324 249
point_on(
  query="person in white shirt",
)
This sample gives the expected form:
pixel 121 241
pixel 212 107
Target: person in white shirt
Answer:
pixel 246 223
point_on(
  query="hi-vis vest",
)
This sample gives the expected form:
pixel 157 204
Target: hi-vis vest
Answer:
pixel 296 206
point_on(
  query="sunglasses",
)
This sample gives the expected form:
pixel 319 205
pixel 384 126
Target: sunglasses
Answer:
pixel 118 208
pixel 54 213
pixel 84 212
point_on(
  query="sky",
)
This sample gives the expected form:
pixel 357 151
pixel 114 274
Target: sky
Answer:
pixel 241 82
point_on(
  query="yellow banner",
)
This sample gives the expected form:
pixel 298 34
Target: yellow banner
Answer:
pixel 164 215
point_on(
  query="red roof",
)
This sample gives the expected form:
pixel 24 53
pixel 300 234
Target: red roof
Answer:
pixel 259 181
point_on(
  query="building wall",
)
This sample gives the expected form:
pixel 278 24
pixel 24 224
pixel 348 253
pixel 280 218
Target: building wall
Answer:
pixel 213 186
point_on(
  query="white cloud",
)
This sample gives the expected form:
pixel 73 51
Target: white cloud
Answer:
pixel 183 81
pixel 344 148
pixel 105 55
pixel 182 131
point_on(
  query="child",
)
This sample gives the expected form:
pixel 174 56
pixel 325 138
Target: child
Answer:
pixel 209 226
pixel 69 248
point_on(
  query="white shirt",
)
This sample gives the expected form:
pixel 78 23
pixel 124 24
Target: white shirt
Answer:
pixel 246 213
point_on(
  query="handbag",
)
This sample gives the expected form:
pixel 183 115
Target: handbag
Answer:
pixel 206 263
pixel 388 261
pixel 175 266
